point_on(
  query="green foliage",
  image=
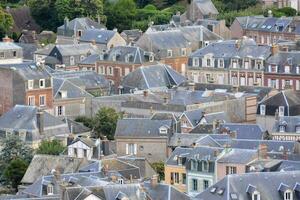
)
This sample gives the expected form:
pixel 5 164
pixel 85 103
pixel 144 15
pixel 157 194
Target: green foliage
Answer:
pixel 14 172
pixel 105 122
pixel 86 121
pixel 53 147
pixel 150 7
pixel 233 5
pixel 6 22
pixel 159 167
pixel 280 12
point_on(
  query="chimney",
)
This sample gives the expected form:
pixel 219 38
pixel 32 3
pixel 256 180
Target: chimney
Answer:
pixel 154 181
pixel 98 19
pixel 94 42
pixel 263 151
pixel 34 35
pixel 191 86
pixel 285 155
pixel 66 24
pixel 274 49
pixel 276 115
pixel 237 44
pixel 7 39
pixel 233 134
pixel 145 93
pixel 40 120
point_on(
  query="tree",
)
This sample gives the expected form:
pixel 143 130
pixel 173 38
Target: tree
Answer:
pixel 159 167
pixel 14 148
pixel 86 121
pixel 14 172
pixel 53 147
pixel 120 14
pixel 6 22
pixel 105 122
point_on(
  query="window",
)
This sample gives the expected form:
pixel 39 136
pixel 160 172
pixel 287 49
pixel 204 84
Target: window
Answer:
pixel 205 184
pixel 208 62
pixel 120 181
pixel 183 52
pixel 246 64
pixel 110 71
pixel 1 54
pixel 42 83
pixel 75 152
pixel 258 64
pixel 42 100
pixel 262 109
pixel 127 70
pixel 297 70
pixel 205 166
pixel 281 129
pixel 193 165
pixel 195 185
pixel 297 129
pixel 234 64
pixel 287 69
pixel 176 177
pixel 101 70
pixel 31 100
pixel 50 189
pixel 79 33
pixel 221 63
pixel 14 54
pixel 230 170
pixel 30 84
pixel 72 60
pixel 206 43
pixel 170 53
pixel 281 111
pixel 256 196
pixel 85 153
pixel 288 195
pixel 60 110
pixel 208 78
pixel 82 57
pixel 183 178
pixel 195 62
pixel 131 149
pixel 151 58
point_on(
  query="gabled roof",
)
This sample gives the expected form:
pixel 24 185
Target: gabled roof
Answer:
pixel 290 122
pixel 238 156
pixel 75 49
pixel 100 36
pixel 193 116
pixel 285 58
pixel 42 165
pixel 152 77
pixel 198 33
pixel 267 184
pixel 83 23
pixel 137 128
pixel 184 140
pixel 206 7
pixel 244 131
pixel 9 46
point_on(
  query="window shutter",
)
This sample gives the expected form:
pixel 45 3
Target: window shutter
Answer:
pixel 135 149
pixel 277 83
pixel 211 167
pixel 127 149
pixel 282 84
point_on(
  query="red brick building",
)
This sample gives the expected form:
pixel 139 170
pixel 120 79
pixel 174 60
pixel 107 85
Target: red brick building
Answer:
pixel 24 84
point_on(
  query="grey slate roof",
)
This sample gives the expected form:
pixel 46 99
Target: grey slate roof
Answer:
pixel 90 60
pixel 281 59
pixel 76 127
pixel 22 117
pixel 289 122
pixel 267 184
pixel 192 33
pixel 41 165
pixel 164 192
pixel 140 128
pixel 100 36
pixel 9 46
pixel 28 70
pixel 75 49
pixel 238 156
pixel 244 131
pixel 184 140
pixel 206 7
pixel 152 77
pixel 194 116
pixel 178 152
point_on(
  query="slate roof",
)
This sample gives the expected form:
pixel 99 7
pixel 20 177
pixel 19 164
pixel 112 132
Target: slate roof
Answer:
pixel 178 152
pixel 184 140
pixel 100 36
pixel 266 24
pixel 206 7
pixel 194 116
pixel 140 127
pixel 76 127
pixel 41 165
pixel 164 192
pixel 75 49
pixel 192 33
pixel 289 99
pixel 289 122
pixel 244 131
pixel 281 59
pixel 83 79
pixel 151 77
pixel 28 50
pixel 238 156
pixel 9 46
pixel 28 70
pixel 267 184
pixel 164 116
pixel 90 60
pixel 72 90
pixel 22 117
pixel 45 50
pixel 83 23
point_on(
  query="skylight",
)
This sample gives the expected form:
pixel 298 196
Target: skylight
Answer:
pixel 269 27
pixel 263 26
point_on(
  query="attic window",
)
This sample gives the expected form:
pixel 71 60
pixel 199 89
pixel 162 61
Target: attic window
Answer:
pixel 50 189
pixel 220 191
pixel 63 94
pixel 42 83
pixel 151 58
pixel 183 52
pixel 262 109
pixel 288 195
pixel 120 181
pixel 256 195
pixel 297 129
pixel 163 130
pixel 233 196
pixel 213 190
pixel 1 54
pixel 170 53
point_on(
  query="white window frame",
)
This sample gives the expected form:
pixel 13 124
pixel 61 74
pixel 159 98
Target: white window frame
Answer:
pixel 50 189
pixel 60 110
pixel 110 70
pixel 183 52
pixel 72 60
pixel 151 58
pixel 287 69
pixel 131 149
pixel 221 61
pixel 30 102
pixel 42 97
pixel 257 194
pixel 262 109
pixel 43 83
pixel 288 195
pixel 195 62
pixel 281 111
pixel 281 129
pixel 169 53
pixel 30 84
pixel 82 57
pixel 101 69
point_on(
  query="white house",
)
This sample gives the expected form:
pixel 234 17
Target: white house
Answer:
pixel 84 148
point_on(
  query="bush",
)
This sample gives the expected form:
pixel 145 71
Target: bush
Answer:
pixel 53 147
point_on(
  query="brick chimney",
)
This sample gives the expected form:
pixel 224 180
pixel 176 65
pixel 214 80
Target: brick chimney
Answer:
pixel 274 49
pixel 40 120
pixel 263 151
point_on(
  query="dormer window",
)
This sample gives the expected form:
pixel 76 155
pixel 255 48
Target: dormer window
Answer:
pixel 72 60
pixel 170 52
pixel 208 62
pixel 42 83
pixel 221 63
pixel 297 129
pixel 1 54
pixel 163 130
pixel 281 111
pixel 258 64
pixel 287 69
pixel 50 189
pixel 246 63
pixel 256 195
pixel 262 109
pixel 82 57
pixel 195 62
pixel 281 129
pixel 234 63
pixel 288 195
pixel 151 58
pixel 120 181
pixel 63 94
pixel 79 33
